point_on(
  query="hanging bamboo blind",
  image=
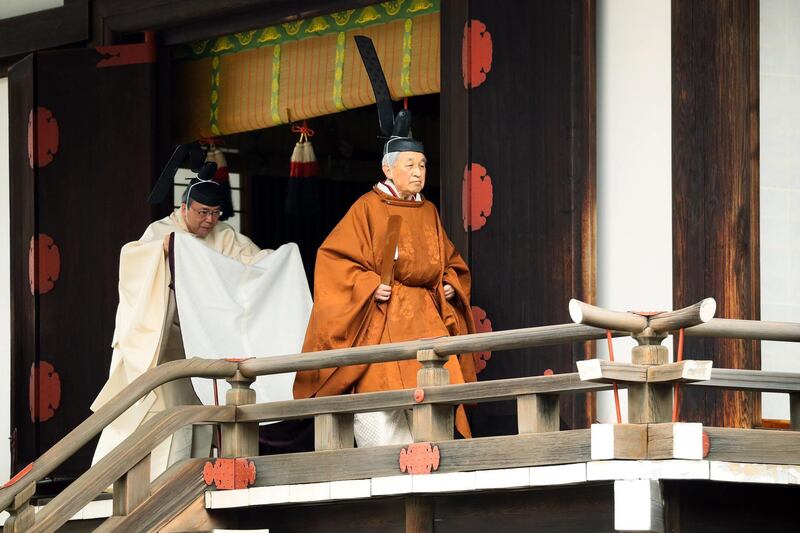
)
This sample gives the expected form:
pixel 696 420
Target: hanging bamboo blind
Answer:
pixel 303 69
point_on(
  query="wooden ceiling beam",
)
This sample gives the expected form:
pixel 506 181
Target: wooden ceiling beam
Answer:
pixel 50 28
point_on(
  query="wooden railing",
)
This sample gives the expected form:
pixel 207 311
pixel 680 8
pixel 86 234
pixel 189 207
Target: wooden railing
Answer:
pixel 649 379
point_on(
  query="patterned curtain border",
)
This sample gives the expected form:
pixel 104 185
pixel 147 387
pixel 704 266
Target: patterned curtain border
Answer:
pixel 306 28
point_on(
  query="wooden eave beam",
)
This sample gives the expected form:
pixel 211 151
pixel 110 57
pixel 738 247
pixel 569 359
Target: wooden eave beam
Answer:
pixel 45 29
pixel 183 21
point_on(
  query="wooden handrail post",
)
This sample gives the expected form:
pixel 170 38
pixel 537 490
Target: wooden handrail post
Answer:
pixel 333 431
pixel 132 488
pixel 240 439
pixel 21 512
pixel 649 402
pixel 538 413
pixel 432 422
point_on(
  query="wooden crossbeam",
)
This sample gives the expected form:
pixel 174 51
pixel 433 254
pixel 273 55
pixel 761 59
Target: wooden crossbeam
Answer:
pixel 619 441
pixel 752 380
pixel 682 371
pixel 483 391
pixel 603 371
pixel 398 351
pixel 647 441
pixel 695 314
pixel 753 445
pixel 486 453
pixel 675 441
pixel 591 315
pixel 747 329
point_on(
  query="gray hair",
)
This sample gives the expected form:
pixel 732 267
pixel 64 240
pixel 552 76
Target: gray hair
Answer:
pixel 390 159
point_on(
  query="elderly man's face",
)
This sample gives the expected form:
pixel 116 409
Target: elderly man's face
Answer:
pixel 200 218
pixel 407 173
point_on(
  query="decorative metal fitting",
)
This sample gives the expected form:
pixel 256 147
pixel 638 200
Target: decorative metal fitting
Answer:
pixel 419 395
pixel 419 458
pixel 226 474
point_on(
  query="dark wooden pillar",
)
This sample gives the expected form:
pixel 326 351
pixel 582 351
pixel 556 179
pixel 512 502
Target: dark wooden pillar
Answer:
pixel 715 197
pixel 23 225
pixel 518 173
pixel 82 163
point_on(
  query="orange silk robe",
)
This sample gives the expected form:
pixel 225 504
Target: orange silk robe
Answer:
pixel 345 313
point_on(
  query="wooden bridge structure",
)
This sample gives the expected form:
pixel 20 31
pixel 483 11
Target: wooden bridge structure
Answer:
pixel 652 473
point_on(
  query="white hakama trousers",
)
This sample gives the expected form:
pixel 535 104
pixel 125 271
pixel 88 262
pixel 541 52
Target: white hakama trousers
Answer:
pixel 382 428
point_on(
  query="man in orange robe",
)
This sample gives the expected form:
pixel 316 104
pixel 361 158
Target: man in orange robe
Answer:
pixel 429 296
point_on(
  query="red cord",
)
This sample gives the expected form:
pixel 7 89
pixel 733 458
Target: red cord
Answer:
pixel 405 102
pixel 616 390
pixel 303 129
pixel 675 397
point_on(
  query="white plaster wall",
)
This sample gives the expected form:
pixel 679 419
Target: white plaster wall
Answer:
pixel 5 291
pixel 13 8
pixel 634 168
pixel 780 186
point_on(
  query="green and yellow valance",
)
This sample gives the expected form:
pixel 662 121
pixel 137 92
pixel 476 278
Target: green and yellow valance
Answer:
pixel 303 69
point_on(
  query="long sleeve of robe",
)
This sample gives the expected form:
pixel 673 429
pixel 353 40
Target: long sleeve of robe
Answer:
pixel 139 328
pixel 345 313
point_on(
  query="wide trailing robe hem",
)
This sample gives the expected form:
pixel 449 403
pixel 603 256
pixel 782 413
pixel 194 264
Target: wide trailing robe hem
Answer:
pixel 345 313
pixel 144 279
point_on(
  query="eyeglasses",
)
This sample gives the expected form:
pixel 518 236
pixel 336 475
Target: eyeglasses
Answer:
pixel 205 213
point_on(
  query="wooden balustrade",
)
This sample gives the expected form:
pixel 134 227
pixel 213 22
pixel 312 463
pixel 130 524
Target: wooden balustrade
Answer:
pixel 132 488
pixel 699 313
pixel 649 379
pixel 747 329
pixel 538 413
pixel 333 431
pixel 176 492
pixel 399 351
pixel 695 314
pixel 432 421
pixel 239 439
pixel 649 402
pixel 21 511
pixel 92 426
pixel 213 368
pixel 482 391
pixel 127 457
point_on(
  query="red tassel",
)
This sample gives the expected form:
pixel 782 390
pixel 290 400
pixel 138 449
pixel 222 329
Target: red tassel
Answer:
pixel 215 154
pixel 303 163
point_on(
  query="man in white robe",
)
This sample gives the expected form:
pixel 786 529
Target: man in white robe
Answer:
pixel 145 333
